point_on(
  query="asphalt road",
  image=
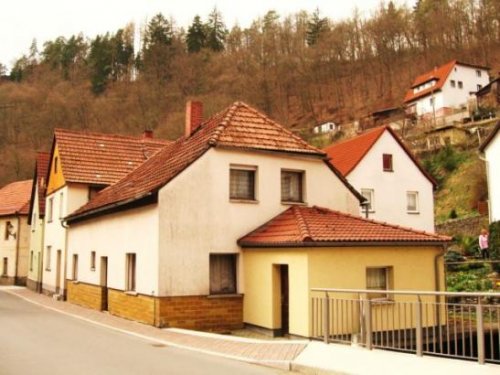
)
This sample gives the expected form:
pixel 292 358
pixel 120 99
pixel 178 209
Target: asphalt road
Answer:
pixel 34 340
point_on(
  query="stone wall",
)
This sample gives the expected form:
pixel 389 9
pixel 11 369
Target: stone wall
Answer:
pixel 470 226
pixel 205 313
pixel 132 306
pixel 86 295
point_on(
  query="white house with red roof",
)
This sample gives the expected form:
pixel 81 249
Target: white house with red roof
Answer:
pixel 14 232
pixel 491 150
pixel 448 86
pixel 397 188
pixel 81 164
pixel 168 231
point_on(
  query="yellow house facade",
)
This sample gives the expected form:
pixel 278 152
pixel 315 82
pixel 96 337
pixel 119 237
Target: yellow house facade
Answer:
pixel 310 247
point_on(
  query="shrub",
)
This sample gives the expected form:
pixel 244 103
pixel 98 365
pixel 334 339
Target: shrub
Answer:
pixel 494 244
pixel 453 214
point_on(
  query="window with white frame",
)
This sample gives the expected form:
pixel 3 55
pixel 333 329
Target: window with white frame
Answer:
pixel 48 256
pixel 242 183
pixel 92 260
pixel 369 194
pixel 50 209
pixel 292 186
pixel 412 201
pixel 222 273
pixel 378 278
pixel 130 274
pixel 75 267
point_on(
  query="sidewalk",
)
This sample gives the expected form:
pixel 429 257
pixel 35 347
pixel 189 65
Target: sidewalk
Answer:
pixel 310 357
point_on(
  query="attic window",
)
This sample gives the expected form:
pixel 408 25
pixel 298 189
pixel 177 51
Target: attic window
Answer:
pixel 387 162
pixel 56 162
pixel 242 183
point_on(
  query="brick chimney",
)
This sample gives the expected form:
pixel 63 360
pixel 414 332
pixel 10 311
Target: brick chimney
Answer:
pixel 148 133
pixel 194 117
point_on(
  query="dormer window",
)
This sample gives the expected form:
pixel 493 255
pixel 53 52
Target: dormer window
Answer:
pixel 387 162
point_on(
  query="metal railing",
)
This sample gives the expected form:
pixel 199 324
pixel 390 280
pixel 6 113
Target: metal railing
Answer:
pixel 458 325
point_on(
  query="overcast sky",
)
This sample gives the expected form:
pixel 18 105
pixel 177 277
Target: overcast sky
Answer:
pixel 23 20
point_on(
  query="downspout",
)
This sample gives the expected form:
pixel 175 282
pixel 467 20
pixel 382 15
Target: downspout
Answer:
pixel 487 183
pixel 40 260
pixel 437 284
pixel 17 248
pixel 65 282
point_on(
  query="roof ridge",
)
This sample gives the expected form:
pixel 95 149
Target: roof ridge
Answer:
pixel 305 233
pixel 212 141
pixel 112 135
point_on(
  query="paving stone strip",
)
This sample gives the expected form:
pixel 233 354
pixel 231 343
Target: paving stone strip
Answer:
pixel 259 351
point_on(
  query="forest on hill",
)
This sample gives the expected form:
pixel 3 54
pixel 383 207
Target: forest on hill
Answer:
pixel 301 69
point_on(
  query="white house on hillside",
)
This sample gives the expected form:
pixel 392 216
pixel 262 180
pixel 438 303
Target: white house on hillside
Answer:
pixel 448 86
pixel 397 188
pixel 326 127
pixel 491 150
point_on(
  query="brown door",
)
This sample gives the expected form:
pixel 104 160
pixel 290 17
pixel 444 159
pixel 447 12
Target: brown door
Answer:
pixel 58 271
pixel 284 299
pixel 104 283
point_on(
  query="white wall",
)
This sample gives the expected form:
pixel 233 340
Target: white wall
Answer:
pixel 390 187
pixel 197 217
pixel 13 248
pixel 73 197
pixel 424 104
pixel 36 240
pixel 112 236
pixel 492 154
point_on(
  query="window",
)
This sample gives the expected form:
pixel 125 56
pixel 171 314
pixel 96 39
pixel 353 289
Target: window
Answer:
pixel 56 161
pixel 47 258
pixel 369 194
pixel 387 162
pixel 460 85
pixel 61 202
pixel 431 101
pixel 33 222
pixel 292 186
pixel 50 209
pixel 479 87
pixel 378 278
pixel 222 273
pixel 478 73
pixel 5 266
pixel 92 260
pixel 75 267
pixel 31 260
pixel 130 272
pixel 412 201
pixel 453 83
pixel 8 230
pixel 242 183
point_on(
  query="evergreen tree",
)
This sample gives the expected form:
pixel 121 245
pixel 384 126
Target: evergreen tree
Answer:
pixel 100 62
pixel 158 32
pixel 216 31
pixel 315 27
pixel 196 37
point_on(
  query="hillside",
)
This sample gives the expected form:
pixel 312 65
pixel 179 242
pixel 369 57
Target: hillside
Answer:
pixel 301 69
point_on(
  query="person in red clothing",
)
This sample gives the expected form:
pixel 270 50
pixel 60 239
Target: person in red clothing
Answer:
pixel 483 244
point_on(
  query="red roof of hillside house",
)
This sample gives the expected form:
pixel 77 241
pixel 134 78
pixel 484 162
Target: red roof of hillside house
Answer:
pixel 440 74
pixel 237 127
pixel 15 198
pixel 490 137
pixel 102 159
pixel 346 155
pixel 40 180
pixel 301 226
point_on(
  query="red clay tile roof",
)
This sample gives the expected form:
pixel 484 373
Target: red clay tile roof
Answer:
pixel 490 137
pixel 15 198
pixel 102 159
pixel 345 156
pixel 239 126
pixel 42 171
pixel 316 226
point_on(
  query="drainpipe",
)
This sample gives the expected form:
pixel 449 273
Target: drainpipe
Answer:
pixel 436 281
pixel 18 234
pixel 65 282
pixel 40 260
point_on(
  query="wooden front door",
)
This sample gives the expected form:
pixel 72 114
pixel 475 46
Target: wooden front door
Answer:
pixel 284 299
pixel 104 283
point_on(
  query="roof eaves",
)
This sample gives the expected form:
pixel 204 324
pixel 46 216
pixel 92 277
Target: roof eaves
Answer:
pixel 340 243
pixel 490 137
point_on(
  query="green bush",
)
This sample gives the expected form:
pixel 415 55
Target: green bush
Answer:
pixel 494 244
pixel 444 162
pixel 469 281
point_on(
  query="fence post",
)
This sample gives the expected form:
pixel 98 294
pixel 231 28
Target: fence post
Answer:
pixel 480 331
pixel 368 323
pixel 418 333
pixel 326 317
